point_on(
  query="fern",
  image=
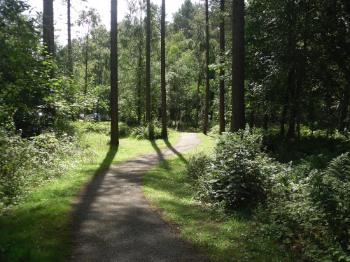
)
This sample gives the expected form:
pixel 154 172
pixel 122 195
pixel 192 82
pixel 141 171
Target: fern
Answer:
pixel 340 168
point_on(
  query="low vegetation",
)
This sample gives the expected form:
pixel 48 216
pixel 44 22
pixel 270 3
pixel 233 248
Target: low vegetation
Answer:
pixel 266 205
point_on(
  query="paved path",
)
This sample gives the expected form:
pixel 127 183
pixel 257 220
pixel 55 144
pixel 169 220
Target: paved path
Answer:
pixel 113 221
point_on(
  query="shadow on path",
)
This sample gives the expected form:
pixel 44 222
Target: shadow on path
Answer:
pixel 170 146
pixel 88 194
pixel 164 163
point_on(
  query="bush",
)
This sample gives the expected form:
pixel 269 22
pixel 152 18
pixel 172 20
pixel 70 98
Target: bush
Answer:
pixel 311 214
pixel 27 163
pixel 237 176
pixel 105 128
pixel 330 190
pixel 198 165
pixel 141 132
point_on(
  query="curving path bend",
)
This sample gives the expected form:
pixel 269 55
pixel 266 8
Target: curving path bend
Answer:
pixel 112 220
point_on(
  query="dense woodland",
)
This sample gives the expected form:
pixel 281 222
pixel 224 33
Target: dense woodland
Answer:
pixel 269 79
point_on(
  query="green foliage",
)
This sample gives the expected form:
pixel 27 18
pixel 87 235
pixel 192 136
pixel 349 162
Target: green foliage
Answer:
pixel 141 132
pixel 198 165
pixel 238 176
pixel 310 214
pixel 28 163
pixel 330 190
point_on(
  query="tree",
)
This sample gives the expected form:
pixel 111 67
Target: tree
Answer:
pixel 114 74
pixel 148 71
pixel 90 19
pixel 163 80
pixel 48 27
pixel 222 69
pixel 69 29
pixel 206 106
pixel 238 56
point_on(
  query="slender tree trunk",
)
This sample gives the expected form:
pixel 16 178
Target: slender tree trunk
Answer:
pixel 292 71
pixel 283 117
pixel 292 113
pixel 207 90
pixel 344 109
pixel 222 70
pixel 139 87
pixel 266 122
pixel 48 27
pixel 69 25
pixel 238 56
pixel 148 72
pixel 86 63
pixel 198 101
pixel 163 80
pixel 114 74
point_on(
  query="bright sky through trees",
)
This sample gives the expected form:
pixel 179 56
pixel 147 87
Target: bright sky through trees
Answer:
pixel 103 8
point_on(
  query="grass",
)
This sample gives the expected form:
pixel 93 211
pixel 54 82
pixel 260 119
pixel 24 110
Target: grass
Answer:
pixel 221 237
pixel 38 229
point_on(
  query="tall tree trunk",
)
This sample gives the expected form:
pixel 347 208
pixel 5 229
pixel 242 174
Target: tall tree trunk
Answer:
pixel 48 27
pixel 148 72
pixel 86 63
pixel 207 90
pixel 139 87
pixel 222 70
pixel 238 56
pixel 114 74
pixel 69 27
pixel 344 109
pixel 163 80
pixel 198 99
pixel 292 70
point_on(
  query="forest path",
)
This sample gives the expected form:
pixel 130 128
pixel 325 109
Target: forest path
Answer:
pixel 113 221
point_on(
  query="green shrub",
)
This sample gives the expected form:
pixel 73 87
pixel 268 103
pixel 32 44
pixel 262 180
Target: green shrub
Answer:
pixel 27 163
pixel 105 128
pixel 310 214
pixel 141 132
pixel 97 127
pixel 237 177
pixel 198 165
pixel 331 193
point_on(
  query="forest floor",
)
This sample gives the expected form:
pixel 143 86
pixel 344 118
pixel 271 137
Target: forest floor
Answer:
pixel 114 222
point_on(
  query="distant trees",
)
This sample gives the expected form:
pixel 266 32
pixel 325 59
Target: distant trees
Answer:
pixel 90 20
pixel 114 74
pixel 285 85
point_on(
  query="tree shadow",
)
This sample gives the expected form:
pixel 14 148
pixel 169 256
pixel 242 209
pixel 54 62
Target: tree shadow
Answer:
pixel 179 155
pixel 163 162
pixel 88 195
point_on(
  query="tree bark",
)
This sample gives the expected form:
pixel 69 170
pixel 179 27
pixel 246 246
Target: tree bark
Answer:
pixel 207 88
pixel 114 74
pixel 238 56
pixel 163 80
pixel 222 70
pixel 148 72
pixel 69 27
pixel 48 27
pixel 139 87
pixel 86 63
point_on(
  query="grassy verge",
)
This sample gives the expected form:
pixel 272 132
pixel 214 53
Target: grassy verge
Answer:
pixel 222 237
pixel 38 229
